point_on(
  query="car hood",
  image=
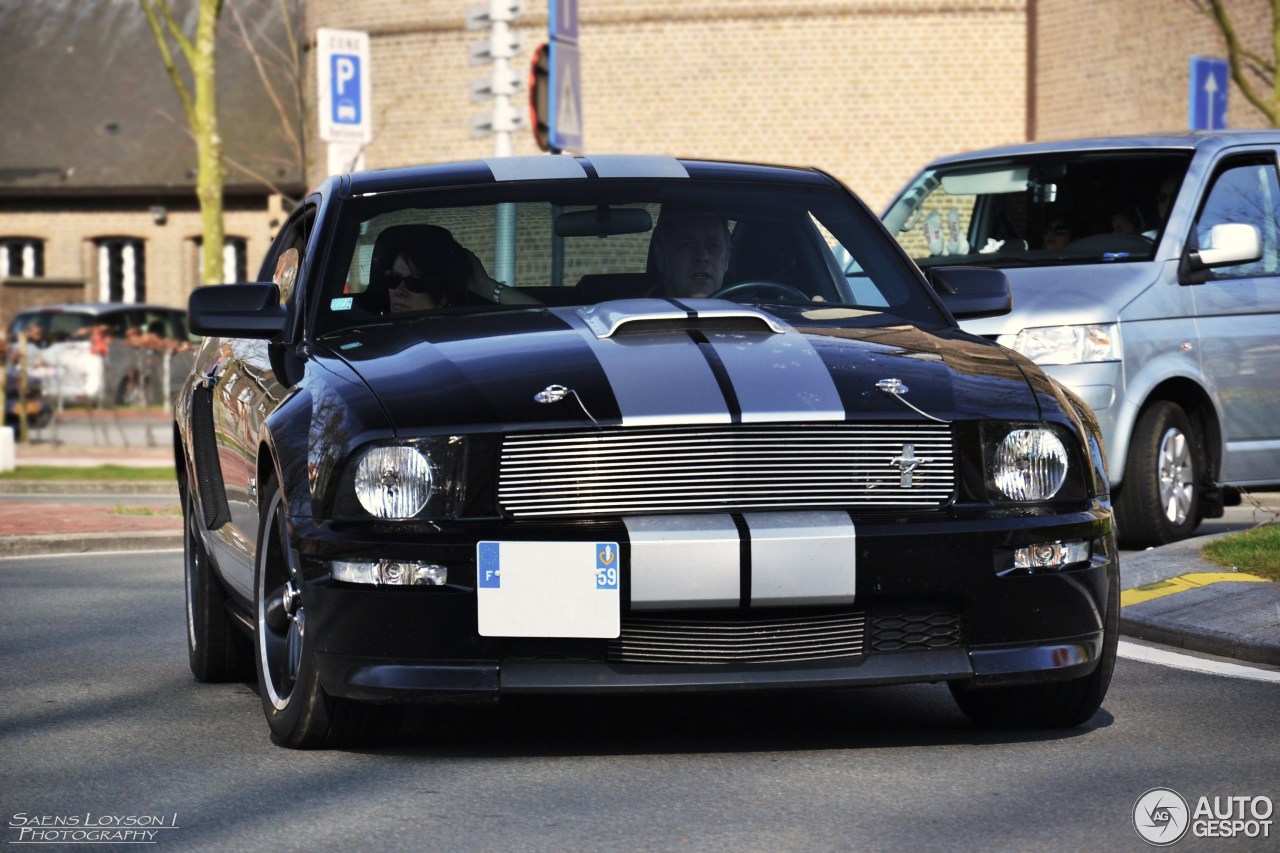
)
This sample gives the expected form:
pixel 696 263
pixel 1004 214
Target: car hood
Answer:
pixel 648 363
pixel 1067 296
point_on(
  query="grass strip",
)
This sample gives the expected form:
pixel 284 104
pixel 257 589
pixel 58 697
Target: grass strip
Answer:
pixel 64 473
pixel 1256 551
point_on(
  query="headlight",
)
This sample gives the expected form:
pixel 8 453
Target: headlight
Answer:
pixel 393 482
pixel 402 481
pixel 1067 344
pixel 1028 464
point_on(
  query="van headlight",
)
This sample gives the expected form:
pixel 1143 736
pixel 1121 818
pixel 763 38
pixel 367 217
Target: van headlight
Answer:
pixel 1025 463
pixel 415 479
pixel 1067 344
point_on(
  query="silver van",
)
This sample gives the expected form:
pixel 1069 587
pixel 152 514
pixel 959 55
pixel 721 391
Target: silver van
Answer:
pixel 1146 277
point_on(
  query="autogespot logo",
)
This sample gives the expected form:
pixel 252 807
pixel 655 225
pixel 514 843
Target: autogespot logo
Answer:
pixel 1161 816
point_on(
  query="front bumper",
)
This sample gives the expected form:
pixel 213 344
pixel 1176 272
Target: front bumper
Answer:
pixel 933 603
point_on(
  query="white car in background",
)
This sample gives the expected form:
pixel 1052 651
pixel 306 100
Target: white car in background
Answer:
pixel 72 372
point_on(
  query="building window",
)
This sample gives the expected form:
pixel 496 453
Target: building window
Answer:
pixel 235 252
pixel 21 257
pixel 121 270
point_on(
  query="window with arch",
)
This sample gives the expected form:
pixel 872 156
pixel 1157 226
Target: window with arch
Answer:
pixel 122 270
pixel 235 263
pixel 21 257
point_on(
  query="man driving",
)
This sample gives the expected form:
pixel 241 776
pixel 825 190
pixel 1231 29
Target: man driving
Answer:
pixel 690 251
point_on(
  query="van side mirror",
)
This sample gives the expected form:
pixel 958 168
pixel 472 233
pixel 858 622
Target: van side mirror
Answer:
pixel 1229 243
pixel 971 292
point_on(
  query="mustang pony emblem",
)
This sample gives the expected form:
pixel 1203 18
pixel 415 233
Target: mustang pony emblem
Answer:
pixel 907 463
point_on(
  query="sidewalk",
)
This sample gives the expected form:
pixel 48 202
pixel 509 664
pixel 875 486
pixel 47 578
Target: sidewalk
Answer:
pixel 1171 595
pixel 44 525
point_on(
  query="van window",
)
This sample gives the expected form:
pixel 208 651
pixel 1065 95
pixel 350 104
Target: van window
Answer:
pixel 1049 209
pixel 1249 193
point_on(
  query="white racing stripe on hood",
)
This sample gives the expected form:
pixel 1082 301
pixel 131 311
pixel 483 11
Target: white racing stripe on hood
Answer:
pixel 778 377
pixel 658 379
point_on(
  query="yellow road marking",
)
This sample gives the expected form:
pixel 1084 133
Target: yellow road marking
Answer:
pixel 1182 583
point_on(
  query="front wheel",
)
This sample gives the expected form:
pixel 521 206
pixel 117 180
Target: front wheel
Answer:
pixel 1057 705
pixel 1159 500
pixel 300 714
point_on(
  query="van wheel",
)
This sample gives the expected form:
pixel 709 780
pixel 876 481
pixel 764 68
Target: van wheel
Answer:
pixel 1159 500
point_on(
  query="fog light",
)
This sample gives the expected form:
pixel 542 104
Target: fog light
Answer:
pixel 391 573
pixel 1050 555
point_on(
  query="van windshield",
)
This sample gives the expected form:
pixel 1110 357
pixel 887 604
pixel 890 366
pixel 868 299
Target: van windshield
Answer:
pixel 1051 209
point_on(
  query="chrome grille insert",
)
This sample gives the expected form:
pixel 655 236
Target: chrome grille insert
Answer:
pixel 708 469
pixel 736 639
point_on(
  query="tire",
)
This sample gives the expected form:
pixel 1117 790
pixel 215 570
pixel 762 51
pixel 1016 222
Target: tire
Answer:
pixel 1057 705
pixel 218 651
pixel 1159 500
pixel 299 713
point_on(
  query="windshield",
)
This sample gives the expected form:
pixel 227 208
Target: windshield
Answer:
pixel 517 246
pixel 1051 209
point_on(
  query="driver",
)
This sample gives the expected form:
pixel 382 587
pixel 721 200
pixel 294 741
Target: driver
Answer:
pixel 689 252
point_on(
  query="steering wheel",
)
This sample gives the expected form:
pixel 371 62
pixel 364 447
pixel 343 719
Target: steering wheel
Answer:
pixel 789 295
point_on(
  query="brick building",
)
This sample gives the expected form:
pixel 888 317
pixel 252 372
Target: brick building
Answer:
pixel 865 89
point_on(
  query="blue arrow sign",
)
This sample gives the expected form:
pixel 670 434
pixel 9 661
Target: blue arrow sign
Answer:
pixel 1207 107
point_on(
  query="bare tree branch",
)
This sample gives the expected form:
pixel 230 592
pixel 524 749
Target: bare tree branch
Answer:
pixel 184 94
pixel 1237 55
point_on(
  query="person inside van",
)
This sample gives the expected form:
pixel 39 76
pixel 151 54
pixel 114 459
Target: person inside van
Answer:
pixel 1057 233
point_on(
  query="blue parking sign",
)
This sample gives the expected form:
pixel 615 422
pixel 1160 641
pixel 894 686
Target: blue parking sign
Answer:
pixel 344 82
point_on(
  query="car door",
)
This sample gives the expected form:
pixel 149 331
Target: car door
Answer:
pixel 1238 317
pixel 246 390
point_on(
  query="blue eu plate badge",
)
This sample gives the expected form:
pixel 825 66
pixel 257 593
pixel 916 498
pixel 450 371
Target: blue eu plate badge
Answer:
pixel 548 589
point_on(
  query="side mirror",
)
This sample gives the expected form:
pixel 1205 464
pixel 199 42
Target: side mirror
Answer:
pixel 1229 243
pixel 972 292
pixel 237 310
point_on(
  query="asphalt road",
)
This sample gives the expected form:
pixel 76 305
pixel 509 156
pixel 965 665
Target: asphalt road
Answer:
pixel 101 720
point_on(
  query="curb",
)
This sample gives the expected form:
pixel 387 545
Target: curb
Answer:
pixel 81 543
pixel 1246 615
pixel 89 487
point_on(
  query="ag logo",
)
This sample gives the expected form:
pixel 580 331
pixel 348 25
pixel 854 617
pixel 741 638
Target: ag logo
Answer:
pixel 1161 816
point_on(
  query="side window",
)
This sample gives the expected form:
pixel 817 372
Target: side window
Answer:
pixel 285 256
pixel 1246 192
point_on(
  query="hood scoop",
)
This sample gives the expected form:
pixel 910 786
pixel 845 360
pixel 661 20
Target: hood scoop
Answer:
pixel 649 316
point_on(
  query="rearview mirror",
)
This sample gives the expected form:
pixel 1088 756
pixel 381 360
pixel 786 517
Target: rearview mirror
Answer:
pixel 604 221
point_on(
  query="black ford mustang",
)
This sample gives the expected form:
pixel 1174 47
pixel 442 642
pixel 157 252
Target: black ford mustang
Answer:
pixel 608 424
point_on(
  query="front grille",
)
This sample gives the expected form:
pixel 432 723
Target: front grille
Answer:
pixel 737 638
pixel 709 469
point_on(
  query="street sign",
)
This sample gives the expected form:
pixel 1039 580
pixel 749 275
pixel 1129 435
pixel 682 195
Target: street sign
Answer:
pixel 562 20
pixel 342 73
pixel 564 101
pixel 1207 105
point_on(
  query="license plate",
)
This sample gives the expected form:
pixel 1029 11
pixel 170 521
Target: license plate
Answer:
pixel 548 589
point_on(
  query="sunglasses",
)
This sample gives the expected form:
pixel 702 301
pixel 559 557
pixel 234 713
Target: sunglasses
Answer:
pixel 413 282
